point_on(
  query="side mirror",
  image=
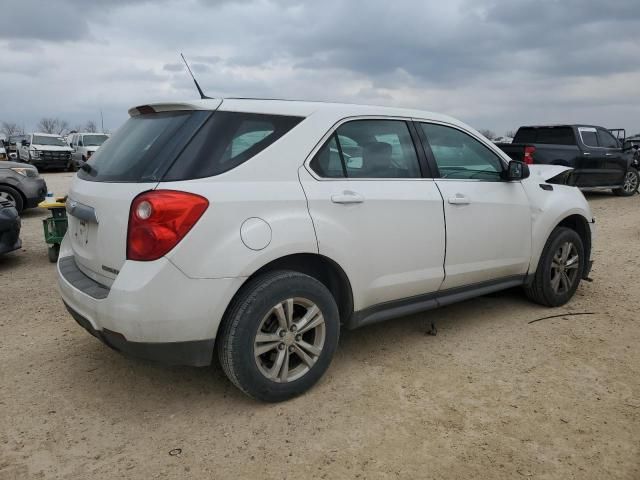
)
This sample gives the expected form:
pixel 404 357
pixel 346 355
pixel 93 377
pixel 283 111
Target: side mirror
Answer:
pixel 71 144
pixel 517 171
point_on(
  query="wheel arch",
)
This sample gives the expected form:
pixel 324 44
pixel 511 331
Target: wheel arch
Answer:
pixel 320 267
pixel 17 189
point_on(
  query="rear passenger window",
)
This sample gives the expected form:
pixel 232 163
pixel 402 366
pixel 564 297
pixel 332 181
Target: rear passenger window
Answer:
pixel 606 140
pixel 368 149
pixel 589 136
pixel 327 162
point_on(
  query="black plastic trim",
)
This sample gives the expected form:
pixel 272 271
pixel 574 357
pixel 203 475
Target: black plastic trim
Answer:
pixel 72 274
pixel 196 353
pixel 81 212
pixel 429 301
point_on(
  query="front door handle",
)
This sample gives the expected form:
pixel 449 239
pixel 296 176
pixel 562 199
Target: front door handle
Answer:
pixel 459 199
pixel 347 197
pixel 608 154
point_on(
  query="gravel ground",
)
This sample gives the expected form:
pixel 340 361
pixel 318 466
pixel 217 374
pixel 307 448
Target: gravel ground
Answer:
pixel 491 396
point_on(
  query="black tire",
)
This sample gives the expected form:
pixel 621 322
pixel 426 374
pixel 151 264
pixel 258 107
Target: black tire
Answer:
pixel 630 185
pixel 541 289
pixel 246 316
pixel 53 253
pixel 13 195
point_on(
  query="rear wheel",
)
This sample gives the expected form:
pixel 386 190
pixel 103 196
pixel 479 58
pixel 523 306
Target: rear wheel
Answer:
pixel 53 253
pixel 12 196
pixel 279 335
pixel 559 269
pixel 630 184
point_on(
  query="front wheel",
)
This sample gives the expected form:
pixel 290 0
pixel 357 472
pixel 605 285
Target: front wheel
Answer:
pixel 279 335
pixel 630 183
pixel 559 269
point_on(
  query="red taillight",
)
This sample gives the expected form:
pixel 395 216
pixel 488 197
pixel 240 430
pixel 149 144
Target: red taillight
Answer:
pixel 528 154
pixel 159 219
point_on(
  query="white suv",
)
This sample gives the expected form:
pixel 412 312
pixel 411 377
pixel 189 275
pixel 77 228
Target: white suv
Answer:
pixel 259 227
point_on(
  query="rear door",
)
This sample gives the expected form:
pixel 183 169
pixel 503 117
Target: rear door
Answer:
pixel 591 171
pixel 488 219
pixel 374 212
pixel 614 165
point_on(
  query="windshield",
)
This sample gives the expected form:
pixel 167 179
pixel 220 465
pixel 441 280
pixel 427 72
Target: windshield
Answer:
pixel 54 141
pixel 93 140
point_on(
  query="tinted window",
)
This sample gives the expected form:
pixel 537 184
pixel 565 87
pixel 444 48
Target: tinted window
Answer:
pixel 525 135
pixel 589 136
pixel 183 145
pixel 606 140
pixel 143 147
pixel 461 156
pixel 546 135
pixel 327 162
pixel 227 140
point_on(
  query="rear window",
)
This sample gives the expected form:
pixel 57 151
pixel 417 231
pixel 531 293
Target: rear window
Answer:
pixel 183 145
pixel 546 135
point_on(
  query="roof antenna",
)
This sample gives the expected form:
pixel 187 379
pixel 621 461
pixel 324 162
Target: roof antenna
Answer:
pixel 202 95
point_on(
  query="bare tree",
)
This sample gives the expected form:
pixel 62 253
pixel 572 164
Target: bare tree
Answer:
pixel 52 125
pixel 510 133
pixel 11 128
pixel 488 133
pixel 90 127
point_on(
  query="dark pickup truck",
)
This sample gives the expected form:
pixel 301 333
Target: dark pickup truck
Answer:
pixel 596 155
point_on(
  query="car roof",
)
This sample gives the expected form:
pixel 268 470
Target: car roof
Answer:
pixel 291 107
pixel 40 134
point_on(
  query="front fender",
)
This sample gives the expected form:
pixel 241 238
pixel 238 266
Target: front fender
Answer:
pixel 549 207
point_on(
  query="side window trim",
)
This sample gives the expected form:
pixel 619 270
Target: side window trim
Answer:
pixel 431 157
pixel 336 137
pixel 590 130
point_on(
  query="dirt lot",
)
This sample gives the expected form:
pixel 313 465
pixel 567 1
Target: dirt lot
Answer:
pixel 490 396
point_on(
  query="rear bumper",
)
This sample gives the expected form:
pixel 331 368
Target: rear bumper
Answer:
pixel 152 310
pixel 194 353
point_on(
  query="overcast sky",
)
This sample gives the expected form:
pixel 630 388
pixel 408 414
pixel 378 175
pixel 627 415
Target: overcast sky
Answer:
pixel 493 63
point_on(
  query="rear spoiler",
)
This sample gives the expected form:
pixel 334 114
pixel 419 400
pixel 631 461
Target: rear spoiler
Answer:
pixel 209 104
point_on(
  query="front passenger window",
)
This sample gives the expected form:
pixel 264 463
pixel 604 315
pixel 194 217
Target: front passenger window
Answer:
pixel 460 156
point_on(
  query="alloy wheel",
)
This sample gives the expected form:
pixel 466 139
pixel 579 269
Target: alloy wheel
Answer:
pixel 630 182
pixel 8 197
pixel 289 340
pixel 564 268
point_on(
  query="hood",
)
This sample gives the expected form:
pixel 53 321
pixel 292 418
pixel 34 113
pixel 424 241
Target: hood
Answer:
pixel 50 148
pixel 542 173
pixel 7 164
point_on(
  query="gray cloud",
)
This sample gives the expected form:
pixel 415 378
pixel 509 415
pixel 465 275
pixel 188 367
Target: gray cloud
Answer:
pixel 495 63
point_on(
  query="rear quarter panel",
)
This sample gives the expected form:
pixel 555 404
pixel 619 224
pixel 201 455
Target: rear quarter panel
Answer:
pixel 266 187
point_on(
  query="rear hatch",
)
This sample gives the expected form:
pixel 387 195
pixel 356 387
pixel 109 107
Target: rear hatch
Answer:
pixel 168 143
pixel 133 161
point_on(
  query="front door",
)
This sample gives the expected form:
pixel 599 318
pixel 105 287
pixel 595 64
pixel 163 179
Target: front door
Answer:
pixel 374 212
pixel 488 219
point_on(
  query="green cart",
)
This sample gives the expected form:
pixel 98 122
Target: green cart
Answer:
pixel 55 226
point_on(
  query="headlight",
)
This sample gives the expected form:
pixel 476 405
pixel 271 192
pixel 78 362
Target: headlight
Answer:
pixel 26 172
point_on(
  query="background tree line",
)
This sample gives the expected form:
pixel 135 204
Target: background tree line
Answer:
pixel 54 125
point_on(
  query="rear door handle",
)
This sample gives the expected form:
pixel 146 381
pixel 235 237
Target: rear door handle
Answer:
pixel 347 197
pixel 459 199
pixel 608 154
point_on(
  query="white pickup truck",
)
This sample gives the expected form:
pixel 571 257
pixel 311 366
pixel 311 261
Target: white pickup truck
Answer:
pixel 45 150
